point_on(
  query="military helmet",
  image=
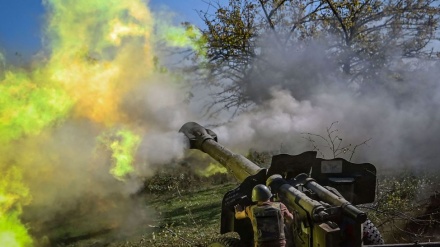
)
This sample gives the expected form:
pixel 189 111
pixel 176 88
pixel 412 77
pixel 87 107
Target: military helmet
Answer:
pixel 260 193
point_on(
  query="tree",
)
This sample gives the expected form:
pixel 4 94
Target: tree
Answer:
pixel 371 32
pixel 364 37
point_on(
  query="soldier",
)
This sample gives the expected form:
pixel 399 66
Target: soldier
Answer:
pixel 267 218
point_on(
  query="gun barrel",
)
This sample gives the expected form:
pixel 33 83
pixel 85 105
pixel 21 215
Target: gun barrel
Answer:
pixel 291 196
pixel 206 140
pixel 329 197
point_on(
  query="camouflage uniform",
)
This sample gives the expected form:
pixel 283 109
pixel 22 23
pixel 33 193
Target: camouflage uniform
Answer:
pixel 268 223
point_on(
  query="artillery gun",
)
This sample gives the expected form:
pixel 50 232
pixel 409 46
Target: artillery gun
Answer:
pixel 320 193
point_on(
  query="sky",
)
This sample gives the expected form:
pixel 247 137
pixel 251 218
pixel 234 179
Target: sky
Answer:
pixel 21 22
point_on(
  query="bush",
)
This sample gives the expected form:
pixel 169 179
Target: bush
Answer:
pixel 182 178
pixel 400 201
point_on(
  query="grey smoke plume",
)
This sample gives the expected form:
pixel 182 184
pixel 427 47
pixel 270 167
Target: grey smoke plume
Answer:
pixel 297 93
pixel 158 107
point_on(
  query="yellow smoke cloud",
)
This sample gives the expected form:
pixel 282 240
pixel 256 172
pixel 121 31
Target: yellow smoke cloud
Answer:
pixel 100 50
pixel 189 36
pixel 123 145
pixel 211 169
pixel 28 104
pixel 96 53
pixel 13 195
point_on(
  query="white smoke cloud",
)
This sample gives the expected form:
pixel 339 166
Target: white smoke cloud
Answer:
pixel 162 104
pixel 160 148
pixel 400 117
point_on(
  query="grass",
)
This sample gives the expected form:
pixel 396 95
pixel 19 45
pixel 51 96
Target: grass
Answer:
pixel 191 216
pixel 187 218
pixel 190 207
pixel 183 218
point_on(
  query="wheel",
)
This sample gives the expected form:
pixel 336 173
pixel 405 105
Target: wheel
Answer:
pixel 225 242
pixel 371 234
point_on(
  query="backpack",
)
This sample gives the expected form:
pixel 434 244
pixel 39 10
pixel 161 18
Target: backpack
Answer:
pixel 268 222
